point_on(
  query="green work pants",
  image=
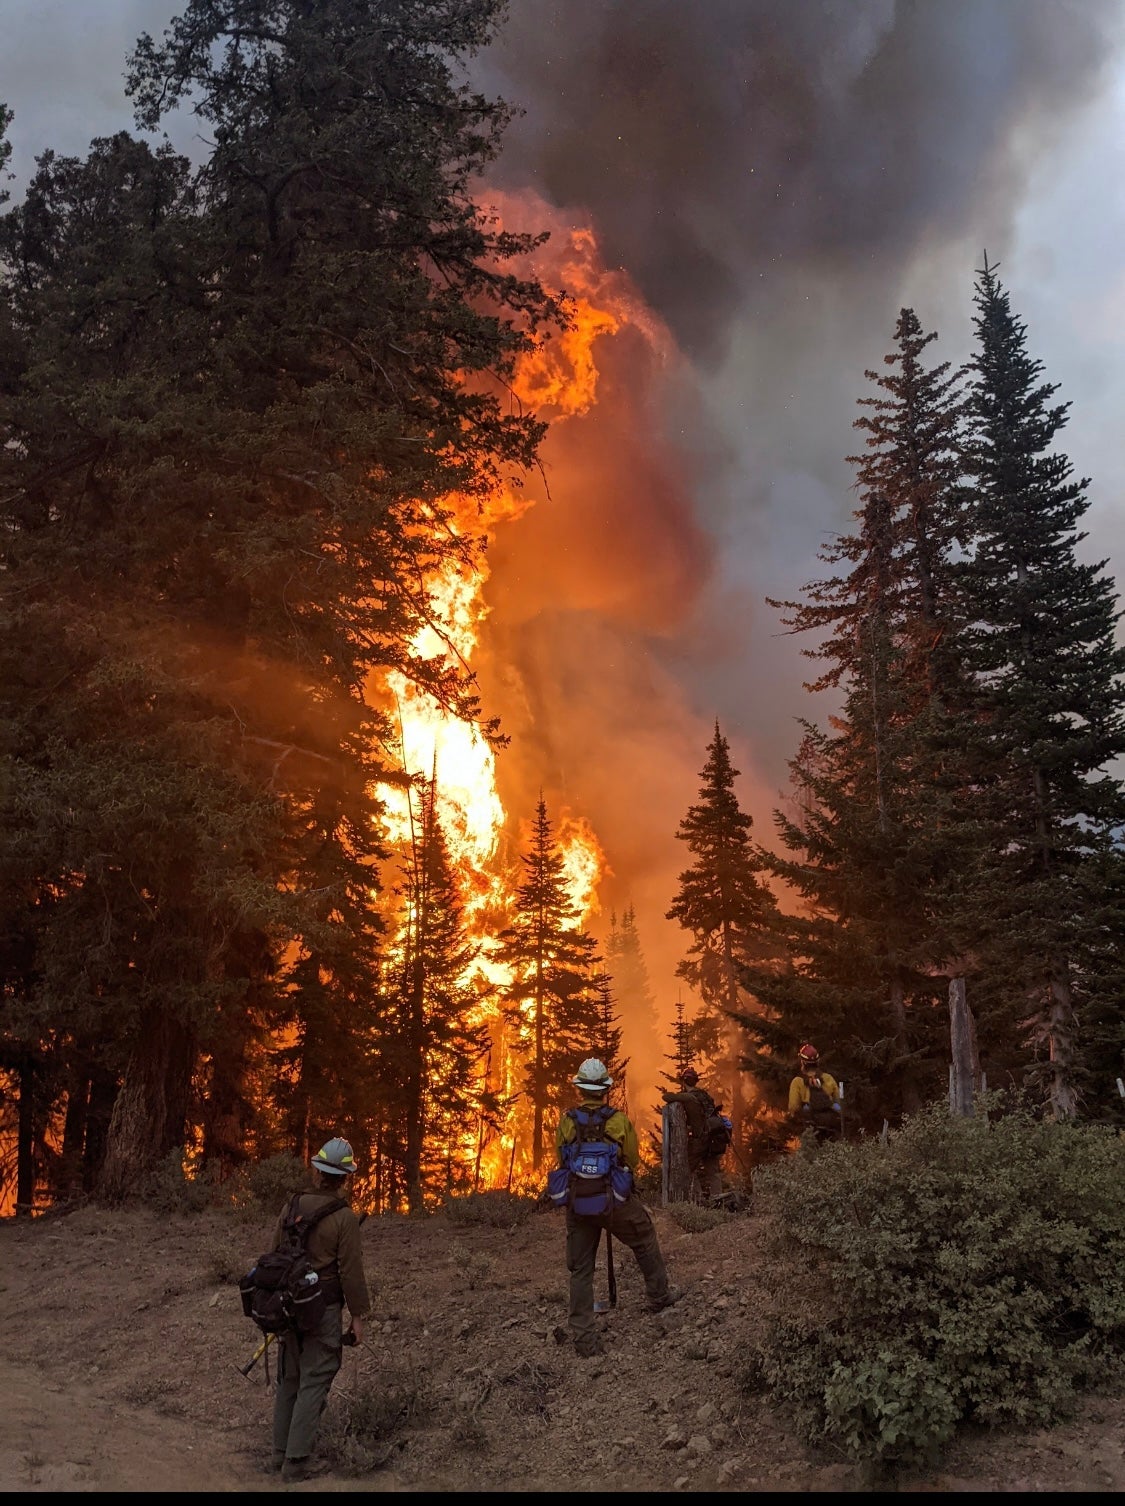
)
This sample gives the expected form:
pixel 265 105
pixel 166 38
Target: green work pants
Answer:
pixel 629 1222
pixel 706 1176
pixel 306 1367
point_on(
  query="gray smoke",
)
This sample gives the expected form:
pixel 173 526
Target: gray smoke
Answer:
pixel 720 143
pixel 776 177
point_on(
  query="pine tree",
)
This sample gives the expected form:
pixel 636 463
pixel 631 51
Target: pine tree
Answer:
pixel 607 1043
pixel 232 400
pixel 683 1051
pixel 1048 676
pixel 552 1003
pixel 727 909
pixel 434 1045
pixel 633 989
pixel 870 823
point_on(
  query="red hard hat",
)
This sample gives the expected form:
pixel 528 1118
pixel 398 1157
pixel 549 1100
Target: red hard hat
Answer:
pixel 689 1074
pixel 808 1053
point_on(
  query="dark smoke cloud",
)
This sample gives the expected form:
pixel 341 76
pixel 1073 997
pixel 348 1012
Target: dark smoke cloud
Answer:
pixel 718 141
pixel 775 177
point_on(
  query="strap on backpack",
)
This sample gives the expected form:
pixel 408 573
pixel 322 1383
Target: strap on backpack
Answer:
pixel 299 1224
pixel 586 1119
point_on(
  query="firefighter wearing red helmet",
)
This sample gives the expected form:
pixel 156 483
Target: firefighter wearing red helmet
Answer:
pixel 814 1096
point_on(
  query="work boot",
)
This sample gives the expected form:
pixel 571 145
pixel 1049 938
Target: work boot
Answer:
pixel 669 1299
pixel 300 1469
pixel 589 1346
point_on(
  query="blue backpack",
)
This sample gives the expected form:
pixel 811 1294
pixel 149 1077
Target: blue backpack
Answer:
pixel 591 1179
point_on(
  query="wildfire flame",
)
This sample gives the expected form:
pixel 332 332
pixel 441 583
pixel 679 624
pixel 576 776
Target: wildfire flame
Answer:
pixel 558 380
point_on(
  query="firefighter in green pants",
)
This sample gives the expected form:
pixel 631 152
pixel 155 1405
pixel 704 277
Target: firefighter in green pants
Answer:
pixel 630 1221
pixel 308 1362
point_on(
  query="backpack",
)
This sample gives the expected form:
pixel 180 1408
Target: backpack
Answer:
pixel 591 1179
pixel 819 1101
pixel 718 1130
pixel 283 1292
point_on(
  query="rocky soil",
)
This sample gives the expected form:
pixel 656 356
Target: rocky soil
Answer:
pixel 123 1337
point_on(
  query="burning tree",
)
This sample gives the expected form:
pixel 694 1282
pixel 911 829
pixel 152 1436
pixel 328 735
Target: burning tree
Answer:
pixel 625 964
pixel 232 401
pixel 438 1040
pixel 552 1001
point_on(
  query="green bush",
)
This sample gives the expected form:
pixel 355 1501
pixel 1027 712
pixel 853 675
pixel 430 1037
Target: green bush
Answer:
pixel 962 1271
pixel 697 1218
pixel 169 1189
pixel 498 1209
pixel 273 1181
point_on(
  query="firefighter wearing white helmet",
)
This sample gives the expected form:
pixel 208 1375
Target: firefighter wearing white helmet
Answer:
pixel 308 1362
pixel 594 1122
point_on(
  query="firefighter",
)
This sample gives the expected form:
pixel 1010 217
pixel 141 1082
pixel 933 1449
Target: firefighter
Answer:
pixel 628 1220
pixel 705 1166
pixel 308 1362
pixel 814 1097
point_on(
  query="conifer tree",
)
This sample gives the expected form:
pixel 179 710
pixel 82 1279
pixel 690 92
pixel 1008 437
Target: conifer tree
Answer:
pixel 727 909
pixel 632 987
pixel 433 1048
pixel 231 400
pixel 870 829
pixel 607 1042
pixel 1048 675
pixel 552 1004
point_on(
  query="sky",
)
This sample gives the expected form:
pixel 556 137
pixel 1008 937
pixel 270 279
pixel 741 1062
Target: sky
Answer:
pixel 771 180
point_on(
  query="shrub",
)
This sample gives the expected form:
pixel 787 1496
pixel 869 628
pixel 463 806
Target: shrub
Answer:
pixel 962 1271
pixel 696 1218
pixel 169 1189
pixel 274 1181
pixel 499 1209
pixel 225 1260
pixel 361 1427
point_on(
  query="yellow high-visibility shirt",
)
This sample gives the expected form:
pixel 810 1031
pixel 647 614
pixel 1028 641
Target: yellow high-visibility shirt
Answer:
pixel 799 1091
pixel 617 1127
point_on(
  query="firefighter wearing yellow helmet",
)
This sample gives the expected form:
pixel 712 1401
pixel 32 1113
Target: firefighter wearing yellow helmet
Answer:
pixel 598 1193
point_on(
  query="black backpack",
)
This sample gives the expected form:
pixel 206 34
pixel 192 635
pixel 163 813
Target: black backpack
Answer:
pixel 718 1131
pixel 283 1291
pixel 819 1101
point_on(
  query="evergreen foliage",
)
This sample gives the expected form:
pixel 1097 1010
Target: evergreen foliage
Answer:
pixel 964 1271
pixel 632 986
pixel 232 402
pixel 1047 673
pixel 606 1044
pixel 553 1004
pixel 730 914
pixel 434 1052
pixel 868 830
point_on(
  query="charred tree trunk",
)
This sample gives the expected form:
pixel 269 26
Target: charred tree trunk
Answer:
pixel 676 1175
pixel 25 1139
pixel 68 1180
pixel 909 1098
pixel 964 1071
pixel 104 1087
pixel 1061 1039
pixel 537 1127
pixel 151 1109
pixel 414 1078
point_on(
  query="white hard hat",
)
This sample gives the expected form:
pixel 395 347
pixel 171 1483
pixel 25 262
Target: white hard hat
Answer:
pixel 592 1076
pixel 335 1158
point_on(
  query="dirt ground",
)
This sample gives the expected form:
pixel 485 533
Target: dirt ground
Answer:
pixel 123 1334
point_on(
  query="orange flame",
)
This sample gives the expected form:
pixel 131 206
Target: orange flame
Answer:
pixel 558 380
